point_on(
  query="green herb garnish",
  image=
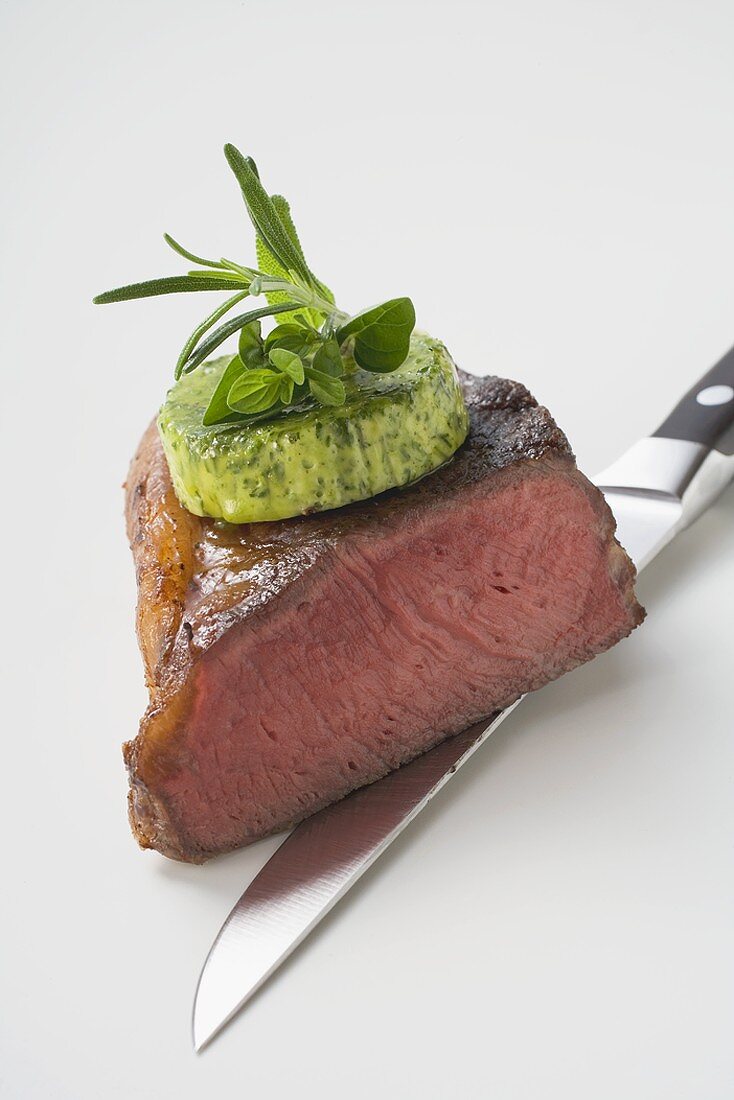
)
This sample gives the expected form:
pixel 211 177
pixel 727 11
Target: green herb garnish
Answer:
pixel 314 343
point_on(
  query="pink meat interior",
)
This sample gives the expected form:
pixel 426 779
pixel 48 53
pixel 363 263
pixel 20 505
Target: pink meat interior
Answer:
pixel 403 639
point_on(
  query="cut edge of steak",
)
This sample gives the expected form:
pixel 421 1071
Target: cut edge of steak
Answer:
pixel 290 662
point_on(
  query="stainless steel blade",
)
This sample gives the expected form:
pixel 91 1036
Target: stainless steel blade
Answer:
pixel 645 489
pixel 325 855
pixel 644 523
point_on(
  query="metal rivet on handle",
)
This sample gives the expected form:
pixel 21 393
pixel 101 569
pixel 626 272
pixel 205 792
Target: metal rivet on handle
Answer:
pixel 715 395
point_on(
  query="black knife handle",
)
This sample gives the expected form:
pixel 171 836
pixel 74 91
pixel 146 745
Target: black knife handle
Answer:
pixel 706 413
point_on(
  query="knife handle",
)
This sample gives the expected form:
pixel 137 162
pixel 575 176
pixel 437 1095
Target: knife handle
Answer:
pixel 705 414
pixel 690 458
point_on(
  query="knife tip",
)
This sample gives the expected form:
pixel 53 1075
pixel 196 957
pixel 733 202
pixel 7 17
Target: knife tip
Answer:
pixel 201 1037
pixel 204 1026
pixel 201 1032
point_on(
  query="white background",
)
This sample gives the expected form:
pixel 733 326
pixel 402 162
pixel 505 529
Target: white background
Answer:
pixel 553 185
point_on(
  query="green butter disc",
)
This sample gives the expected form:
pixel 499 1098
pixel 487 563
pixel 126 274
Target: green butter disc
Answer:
pixel 392 429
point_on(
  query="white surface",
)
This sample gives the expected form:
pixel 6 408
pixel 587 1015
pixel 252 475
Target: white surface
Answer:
pixel 558 923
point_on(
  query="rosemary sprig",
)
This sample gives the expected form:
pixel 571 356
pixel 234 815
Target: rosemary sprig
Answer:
pixel 306 355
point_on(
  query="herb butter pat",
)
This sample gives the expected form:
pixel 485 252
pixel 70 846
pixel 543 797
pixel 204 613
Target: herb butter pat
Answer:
pixel 391 429
pixel 326 408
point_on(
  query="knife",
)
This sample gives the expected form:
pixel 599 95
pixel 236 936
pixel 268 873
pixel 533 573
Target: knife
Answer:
pixel 657 488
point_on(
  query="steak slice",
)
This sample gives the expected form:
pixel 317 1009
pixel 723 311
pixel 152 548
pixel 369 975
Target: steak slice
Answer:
pixel 290 662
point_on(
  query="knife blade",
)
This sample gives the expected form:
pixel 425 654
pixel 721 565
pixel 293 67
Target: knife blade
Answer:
pixel 658 487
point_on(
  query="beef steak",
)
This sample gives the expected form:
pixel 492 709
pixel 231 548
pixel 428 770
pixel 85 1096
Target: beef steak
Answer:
pixel 290 662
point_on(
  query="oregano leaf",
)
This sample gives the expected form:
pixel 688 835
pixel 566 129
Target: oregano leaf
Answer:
pixel 381 335
pixel 283 332
pixel 250 344
pixel 254 391
pixel 218 410
pixel 286 389
pixel 287 362
pixel 327 390
pixel 328 359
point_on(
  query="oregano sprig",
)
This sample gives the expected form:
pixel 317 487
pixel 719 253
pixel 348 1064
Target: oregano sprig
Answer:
pixel 314 344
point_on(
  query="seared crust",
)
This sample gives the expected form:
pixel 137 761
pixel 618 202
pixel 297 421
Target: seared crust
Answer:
pixel 198 577
pixel 162 537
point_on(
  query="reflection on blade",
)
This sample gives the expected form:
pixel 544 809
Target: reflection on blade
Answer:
pixel 311 871
pixel 645 523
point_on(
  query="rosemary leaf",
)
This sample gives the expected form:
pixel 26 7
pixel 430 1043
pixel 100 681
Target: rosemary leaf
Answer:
pixel 205 325
pixel 264 215
pixel 172 243
pixel 173 284
pixel 232 276
pixel 248 272
pixel 227 329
